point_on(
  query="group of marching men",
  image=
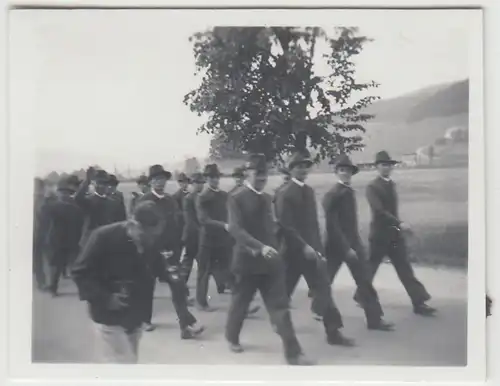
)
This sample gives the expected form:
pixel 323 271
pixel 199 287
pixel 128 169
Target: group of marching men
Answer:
pixel 246 239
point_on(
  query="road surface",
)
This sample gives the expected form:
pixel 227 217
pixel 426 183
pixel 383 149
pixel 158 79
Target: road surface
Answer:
pixel 63 333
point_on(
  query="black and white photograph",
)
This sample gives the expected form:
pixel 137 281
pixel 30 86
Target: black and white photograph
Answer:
pixel 242 188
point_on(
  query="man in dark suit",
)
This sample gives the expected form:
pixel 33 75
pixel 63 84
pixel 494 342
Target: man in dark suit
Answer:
pixel 61 221
pixel 98 208
pixel 343 243
pixel 117 197
pixel 257 264
pixel 183 181
pixel 143 186
pixel 191 230
pixel 299 232
pixel 172 232
pixel 215 242
pixel 113 274
pixel 238 177
pixel 386 234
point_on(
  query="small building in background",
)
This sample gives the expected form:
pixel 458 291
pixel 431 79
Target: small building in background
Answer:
pixel 409 160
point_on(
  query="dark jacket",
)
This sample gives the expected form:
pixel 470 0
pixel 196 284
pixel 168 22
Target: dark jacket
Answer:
pixel 179 198
pixel 133 201
pixel 98 211
pixel 297 216
pixel 60 224
pixel 110 263
pixel 167 206
pixel 342 232
pixel 252 226
pixel 191 229
pixel 211 208
pixel 120 212
pixel 383 200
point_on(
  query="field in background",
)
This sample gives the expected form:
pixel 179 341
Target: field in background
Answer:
pixel 433 201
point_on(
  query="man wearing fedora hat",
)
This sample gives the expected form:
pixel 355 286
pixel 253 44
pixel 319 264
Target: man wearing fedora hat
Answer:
pixel 215 241
pixel 257 264
pixel 117 197
pixel 171 238
pixel 386 234
pixel 297 216
pixel 238 177
pixel 343 242
pixel 183 181
pixel 191 230
pixel 63 219
pixel 143 186
pixel 98 208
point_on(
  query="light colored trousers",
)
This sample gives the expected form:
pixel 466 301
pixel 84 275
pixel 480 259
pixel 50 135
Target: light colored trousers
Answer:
pixel 117 345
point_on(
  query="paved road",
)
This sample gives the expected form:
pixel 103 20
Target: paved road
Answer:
pixel 62 331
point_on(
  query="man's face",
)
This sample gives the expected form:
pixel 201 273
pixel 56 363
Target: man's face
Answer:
pixel 158 184
pixel 112 189
pixel 238 181
pixel 213 182
pixel 300 171
pixel 257 179
pixel 145 236
pixel 344 174
pixel 197 186
pixel 100 187
pixel 183 185
pixel 385 169
pixel 50 188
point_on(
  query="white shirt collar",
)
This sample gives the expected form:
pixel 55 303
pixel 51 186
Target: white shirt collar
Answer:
pixel 100 195
pixel 212 189
pixel 386 179
pixel 300 183
pixel 157 195
pixel 249 186
pixel 343 183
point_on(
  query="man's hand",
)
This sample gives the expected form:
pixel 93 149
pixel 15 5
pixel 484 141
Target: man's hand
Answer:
pixel 269 252
pixel 117 301
pixel 310 253
pixel 351 254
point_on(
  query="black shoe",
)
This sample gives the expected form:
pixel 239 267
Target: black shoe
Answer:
pixel 149 327
pixel 424 310
pixel 253 310
pixel 337 339
pixel 381 325
pixel 300 360
pixel 236 348
pixel 192 332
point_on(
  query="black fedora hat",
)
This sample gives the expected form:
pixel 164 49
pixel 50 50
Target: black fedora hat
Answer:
pixel 383 157
pixel 300 157
pixel 212 170
pixel 113 180
pixel 197 178
pixel 257 162
pixel 158 170
pixel 182 177
pixel 343 160
pixel 142 180
pixel 101 176
pixel 238 172
pixel 64 184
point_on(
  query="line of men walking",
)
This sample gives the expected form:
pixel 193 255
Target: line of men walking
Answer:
pixel 245 239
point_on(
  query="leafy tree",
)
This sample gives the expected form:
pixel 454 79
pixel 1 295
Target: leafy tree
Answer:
pixel 261 92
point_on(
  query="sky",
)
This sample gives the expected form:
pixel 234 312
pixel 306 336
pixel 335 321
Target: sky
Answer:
pixel 106 87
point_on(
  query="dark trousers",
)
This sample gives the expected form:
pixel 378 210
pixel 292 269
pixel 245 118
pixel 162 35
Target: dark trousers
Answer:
pixel 322 301
pixel 395 249
pixel 148 305
pixel 190 255
pixel 39 267
pixel 272 288
pixel 360 272
pixel 179 299
pixel 58 258
pixel 213 261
